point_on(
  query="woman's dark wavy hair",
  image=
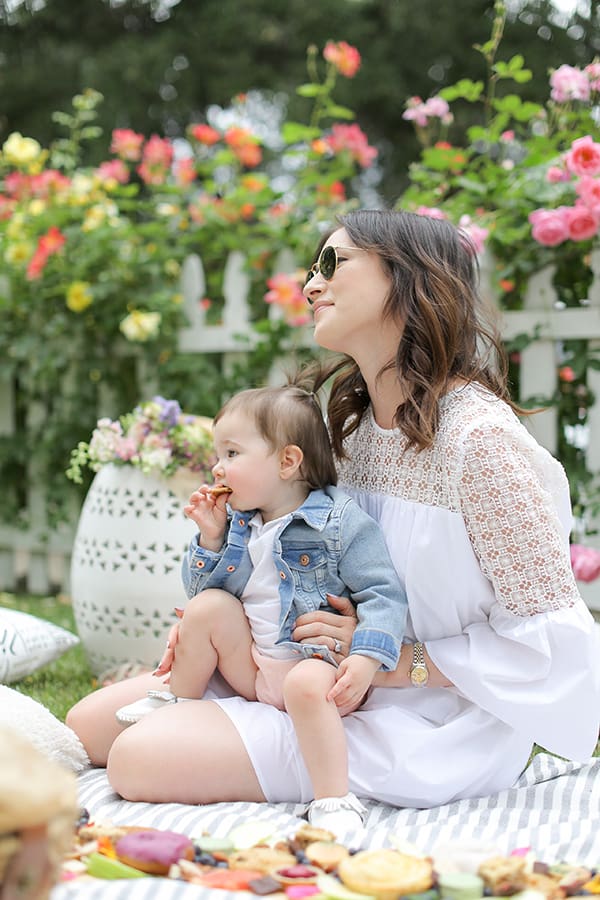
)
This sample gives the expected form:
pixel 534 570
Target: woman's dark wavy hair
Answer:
pixel 447 330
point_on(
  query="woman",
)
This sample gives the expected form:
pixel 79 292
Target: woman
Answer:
pixel 503 652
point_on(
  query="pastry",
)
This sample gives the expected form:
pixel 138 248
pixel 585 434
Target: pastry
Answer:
pixel 154 851
pixel 326 854
pixel 38 811
pixel 264 859
pixel 217 489
pixel 306 834
pixel 504 875
pixel 386 874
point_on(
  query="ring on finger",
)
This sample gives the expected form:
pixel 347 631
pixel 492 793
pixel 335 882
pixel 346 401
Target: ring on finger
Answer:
pixel 337 646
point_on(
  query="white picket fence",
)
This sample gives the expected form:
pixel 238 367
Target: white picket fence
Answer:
pixel 39 562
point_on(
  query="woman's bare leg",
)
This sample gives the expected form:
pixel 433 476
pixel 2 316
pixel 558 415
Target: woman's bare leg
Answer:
pixel 213 633
pixel 93 718
pixel 318 725
pixel 185 753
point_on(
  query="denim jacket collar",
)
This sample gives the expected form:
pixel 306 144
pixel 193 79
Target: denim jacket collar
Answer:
pixel 315 510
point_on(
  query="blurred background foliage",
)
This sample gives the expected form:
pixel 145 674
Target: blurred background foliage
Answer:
pixel 161 63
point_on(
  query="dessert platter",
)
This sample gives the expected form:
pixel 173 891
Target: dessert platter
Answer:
pixel 538 839
pixel 252 861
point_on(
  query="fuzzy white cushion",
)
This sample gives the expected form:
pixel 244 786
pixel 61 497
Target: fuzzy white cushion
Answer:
pixel 48 734
pixel 28 643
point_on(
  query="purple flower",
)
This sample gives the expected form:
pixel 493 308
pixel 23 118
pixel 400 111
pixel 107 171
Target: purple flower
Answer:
pixel 170 411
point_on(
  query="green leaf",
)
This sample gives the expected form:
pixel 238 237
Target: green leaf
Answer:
pixel 294 133
pixel 310 90
pixel 465 89
pixel 513 69
pixel 339 112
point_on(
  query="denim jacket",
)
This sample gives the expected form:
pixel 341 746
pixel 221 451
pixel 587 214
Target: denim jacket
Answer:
pixel 330 545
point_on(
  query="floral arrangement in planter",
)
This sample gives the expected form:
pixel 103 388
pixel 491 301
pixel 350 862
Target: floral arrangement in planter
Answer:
pixel 157 438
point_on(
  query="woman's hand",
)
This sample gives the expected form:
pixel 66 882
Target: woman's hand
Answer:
pixel 334 630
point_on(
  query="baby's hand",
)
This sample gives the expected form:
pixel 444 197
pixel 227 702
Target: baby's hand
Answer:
pixel 166 664
pixel 210 515
pixel 354 677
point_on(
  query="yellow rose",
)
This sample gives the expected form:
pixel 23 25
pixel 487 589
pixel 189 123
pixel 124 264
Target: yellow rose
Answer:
pixel 14 229
pixel 140 326
pixel 36 207
pixel 18 253
pixel 172 267
pixel 79 296
pixel 19 150
pixel 94 217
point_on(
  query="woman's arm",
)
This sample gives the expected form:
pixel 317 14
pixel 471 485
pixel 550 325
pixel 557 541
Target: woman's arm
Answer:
pixel 400 677
pixel 327 628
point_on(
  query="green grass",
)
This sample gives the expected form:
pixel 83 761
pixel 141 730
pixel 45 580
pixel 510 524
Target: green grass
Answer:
pixel 61 683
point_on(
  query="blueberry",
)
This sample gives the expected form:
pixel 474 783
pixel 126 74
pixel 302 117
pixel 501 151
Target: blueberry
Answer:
pixel 205 859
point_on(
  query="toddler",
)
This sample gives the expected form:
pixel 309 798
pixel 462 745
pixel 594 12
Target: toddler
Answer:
pixel 276 534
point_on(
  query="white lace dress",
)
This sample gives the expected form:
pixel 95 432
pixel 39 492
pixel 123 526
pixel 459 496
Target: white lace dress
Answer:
pixel 478 530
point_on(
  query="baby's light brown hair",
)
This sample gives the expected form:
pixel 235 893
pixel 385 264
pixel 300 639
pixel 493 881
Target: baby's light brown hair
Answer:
pixel 290 414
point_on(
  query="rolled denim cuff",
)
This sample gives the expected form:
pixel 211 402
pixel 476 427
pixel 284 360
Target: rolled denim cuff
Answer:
pixel 377 644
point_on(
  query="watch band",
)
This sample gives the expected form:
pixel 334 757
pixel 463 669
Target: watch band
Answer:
pixel 419 673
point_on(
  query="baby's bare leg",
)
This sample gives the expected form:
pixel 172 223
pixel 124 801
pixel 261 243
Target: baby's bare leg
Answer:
pixel 318 725
pixel 213 634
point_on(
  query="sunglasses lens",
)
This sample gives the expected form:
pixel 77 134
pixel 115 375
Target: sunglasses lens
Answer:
pixel 328 263
pixel 310 274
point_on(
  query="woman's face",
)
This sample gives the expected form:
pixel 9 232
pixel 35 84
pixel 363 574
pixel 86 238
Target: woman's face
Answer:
pixel 348 309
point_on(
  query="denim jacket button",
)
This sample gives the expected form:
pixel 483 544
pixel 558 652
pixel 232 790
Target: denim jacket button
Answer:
pixel 242 522
pixel 304 559
pixel 282 575
pixel 200 564
pixel 231 568
pixel 317 656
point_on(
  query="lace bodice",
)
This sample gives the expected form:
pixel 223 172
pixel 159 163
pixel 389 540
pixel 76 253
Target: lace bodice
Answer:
pixel 486 467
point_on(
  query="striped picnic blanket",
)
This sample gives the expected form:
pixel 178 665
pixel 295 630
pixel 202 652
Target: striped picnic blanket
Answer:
pixel 553 808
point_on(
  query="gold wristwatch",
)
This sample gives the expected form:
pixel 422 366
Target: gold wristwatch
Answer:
pixel 419 673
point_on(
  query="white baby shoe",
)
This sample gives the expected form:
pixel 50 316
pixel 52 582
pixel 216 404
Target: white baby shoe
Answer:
pixel 133 712
pixel 344 816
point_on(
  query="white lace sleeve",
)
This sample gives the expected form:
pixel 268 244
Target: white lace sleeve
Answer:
pixel 510 511
pixel 534 663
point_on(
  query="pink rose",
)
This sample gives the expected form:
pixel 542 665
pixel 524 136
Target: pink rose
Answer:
pixel 593 73
pixel 582 222
pixel 585 562
pixel 555 174
pixel 432 211
pixel 127 143
pixel 436 107
pixel 588 190
pixel 549 226
pixel 584 157
pixel 569 83
pixel 476 233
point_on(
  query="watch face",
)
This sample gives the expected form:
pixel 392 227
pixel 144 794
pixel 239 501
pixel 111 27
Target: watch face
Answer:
pixel 419 675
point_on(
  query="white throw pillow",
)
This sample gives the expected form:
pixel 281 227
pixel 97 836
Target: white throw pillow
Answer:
pixel 47 733
pixel 28 643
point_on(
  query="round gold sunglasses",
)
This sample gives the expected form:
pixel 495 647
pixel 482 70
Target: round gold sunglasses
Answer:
pixel 327 263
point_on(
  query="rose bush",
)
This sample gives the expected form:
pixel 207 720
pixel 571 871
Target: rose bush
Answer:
pixel 90 261
pixel 525 183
